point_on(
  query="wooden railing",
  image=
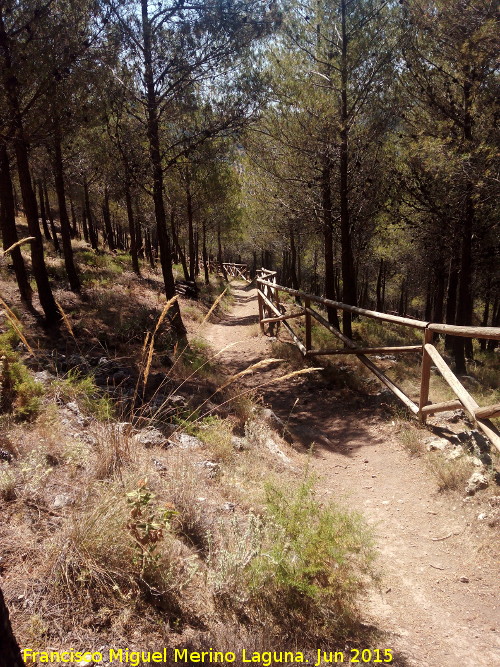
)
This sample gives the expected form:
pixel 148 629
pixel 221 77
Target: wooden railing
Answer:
pixel 237 270
pixel 232 269
pixel 272 313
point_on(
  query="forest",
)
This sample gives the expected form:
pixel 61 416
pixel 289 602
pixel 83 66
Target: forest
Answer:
pixel 350 146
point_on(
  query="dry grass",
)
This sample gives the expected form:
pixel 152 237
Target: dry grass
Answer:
pixel 450 475
pixel 411 438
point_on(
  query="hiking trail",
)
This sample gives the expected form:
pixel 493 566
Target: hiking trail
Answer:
pixel 437 601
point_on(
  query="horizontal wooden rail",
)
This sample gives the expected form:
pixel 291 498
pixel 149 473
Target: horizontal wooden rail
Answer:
pixel 405 321
pixel 488 411
pixel 281 318
pixel 441 407
pixel 491 333
pixel 367 350
pixel 367 362
pixel 466 399
pixel 268 297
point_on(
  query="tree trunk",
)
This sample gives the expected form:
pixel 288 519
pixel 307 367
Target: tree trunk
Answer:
pixel 156 165
pixel 451 297
pixel 10 654
pixel 43 213
pixel 205 253
pixel 48 209
pixel 293 262
pixel 131 225
pixel 69 261
pixel 108 228
pixel 189 211
pixel 85 226
pixel 380 303
pixel 438 303
pixel 74 223
pixel 8 226
pixel 326 199
pixel 465 303
pixel 495 322
pixel 348 273
pixel 180 252
pixel 39 268
pixel 92 230
pixel 219 251
pixel 486 311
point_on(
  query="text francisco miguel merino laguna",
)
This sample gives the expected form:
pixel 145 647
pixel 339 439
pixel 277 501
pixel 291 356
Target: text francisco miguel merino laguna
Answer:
pixel 177 655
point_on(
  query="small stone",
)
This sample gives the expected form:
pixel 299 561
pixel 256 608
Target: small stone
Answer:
pixel 464 580
pixel 475 483
pixel 456 453
pixel 365 461
pixel 187 441
pixel 240 444
pixel 73 407
pixel 482 516
pixel 62 500
pixel 150 437
pixel 228 507
pixel 159 465
pixel 439 444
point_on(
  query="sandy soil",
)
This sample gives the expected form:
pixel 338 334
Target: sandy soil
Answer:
pixel 437 600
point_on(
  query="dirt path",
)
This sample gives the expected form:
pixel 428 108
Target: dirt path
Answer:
pixel 438 598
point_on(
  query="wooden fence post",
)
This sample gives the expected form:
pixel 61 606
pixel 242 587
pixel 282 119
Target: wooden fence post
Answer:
pixel 425 378
pixel 307 305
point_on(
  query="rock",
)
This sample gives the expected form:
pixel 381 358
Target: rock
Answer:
pixel 476 482
pixel 438 444
pixel 275 449
pixel 5 455
pixel 276 423
pixel 476 462
pixel 73 407
pixel 494 501
pixel 482 516
pixel 62 500
pixel 228 507
pixel 456 453
pixel 44 377
pixel 212 467
pixel 185 441
pixel 456 416
pixel 464 580
pixel 240 444
pixel 159 465
pixel 150 437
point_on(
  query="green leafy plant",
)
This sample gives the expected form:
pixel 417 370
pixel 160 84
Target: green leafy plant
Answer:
pixel 147 523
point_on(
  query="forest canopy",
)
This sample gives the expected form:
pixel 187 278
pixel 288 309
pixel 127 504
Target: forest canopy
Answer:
pixel 351 145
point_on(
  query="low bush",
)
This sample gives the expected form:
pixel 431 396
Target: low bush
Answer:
pixel 300 564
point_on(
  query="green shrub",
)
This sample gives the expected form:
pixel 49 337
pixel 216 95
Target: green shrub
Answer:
pixel 20 393
pixel 82 389
pixel 302 564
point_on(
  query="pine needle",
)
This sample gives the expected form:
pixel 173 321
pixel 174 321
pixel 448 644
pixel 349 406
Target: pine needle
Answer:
pixel 248 370
pixel 15 245
pixel 66 321
pixel 151 348
pixel 16 325
pixel 213 307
